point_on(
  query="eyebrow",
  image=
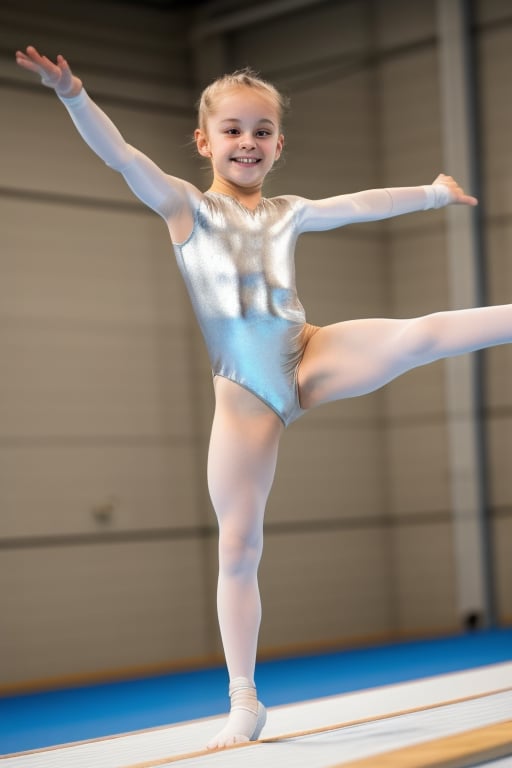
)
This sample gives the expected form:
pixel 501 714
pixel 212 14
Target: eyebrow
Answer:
pixel 236 120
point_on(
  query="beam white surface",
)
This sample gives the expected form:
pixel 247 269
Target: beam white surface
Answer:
pixel 317 751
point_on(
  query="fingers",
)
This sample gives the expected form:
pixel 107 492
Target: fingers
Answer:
pixel 26 62
pixel 56 75
pixel 459 197
pixel 63 66
pixel 35 62
pixel 468 200
pixel 31 56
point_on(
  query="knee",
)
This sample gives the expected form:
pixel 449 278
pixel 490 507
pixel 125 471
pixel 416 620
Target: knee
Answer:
pixel 239 551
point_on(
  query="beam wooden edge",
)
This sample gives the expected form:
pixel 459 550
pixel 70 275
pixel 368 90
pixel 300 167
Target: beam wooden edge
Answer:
pixel 462 750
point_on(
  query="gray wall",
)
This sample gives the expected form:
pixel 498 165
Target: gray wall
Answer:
pixel 105 397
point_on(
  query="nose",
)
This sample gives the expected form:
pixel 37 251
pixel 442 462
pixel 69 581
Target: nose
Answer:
pixel 246 142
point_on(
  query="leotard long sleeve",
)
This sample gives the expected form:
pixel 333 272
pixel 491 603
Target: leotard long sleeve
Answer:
pixel 238 265
pixel 146 180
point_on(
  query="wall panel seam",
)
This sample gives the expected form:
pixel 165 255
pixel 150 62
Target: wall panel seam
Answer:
pixel 82 201
pixel 103 97
pixel 158 535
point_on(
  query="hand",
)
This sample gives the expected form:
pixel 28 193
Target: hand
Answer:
pixel 57 76
pixel 457 194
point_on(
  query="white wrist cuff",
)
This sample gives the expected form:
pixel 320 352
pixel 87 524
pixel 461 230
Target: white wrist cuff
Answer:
pixel 438 195
pixel 74 101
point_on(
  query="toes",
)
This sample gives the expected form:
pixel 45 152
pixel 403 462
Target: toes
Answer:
pixel 227 741
pixel 240 739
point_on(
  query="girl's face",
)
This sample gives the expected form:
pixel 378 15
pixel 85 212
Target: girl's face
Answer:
pixel 242 140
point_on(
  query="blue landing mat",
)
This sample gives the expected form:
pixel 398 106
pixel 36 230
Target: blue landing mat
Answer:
pixel 56 717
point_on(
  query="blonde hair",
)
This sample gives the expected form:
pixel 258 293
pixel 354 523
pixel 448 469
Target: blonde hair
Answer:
pixel 245 77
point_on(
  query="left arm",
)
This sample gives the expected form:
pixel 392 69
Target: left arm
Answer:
pixel 376 204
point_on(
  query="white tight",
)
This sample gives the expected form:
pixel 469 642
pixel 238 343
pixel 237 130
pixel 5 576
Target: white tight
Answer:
pixel 241 465
pixel 355 357
pixel 342 360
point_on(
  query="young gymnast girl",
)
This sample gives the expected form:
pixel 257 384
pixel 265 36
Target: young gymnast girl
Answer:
pixel 235 250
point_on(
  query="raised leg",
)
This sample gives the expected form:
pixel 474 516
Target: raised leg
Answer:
pixel 241 465
pixel 359 356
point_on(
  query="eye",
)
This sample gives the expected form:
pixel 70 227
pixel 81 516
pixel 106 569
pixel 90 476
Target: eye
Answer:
pixel 263 132
pixel 232 131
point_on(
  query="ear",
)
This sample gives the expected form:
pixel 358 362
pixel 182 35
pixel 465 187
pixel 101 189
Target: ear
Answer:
pixel 279 146
pixel 202 143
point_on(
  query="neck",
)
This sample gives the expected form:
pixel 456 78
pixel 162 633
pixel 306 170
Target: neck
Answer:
pixel 248 196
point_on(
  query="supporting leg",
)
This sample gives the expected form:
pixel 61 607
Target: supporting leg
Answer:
pixel 241 466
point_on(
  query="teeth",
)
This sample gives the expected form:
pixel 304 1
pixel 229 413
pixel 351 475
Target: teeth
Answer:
pixel 246 160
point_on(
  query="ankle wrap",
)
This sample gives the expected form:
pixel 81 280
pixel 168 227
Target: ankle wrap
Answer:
pixel 243 695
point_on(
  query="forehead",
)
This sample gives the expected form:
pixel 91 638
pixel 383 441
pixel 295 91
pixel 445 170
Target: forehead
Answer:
pixel 245 102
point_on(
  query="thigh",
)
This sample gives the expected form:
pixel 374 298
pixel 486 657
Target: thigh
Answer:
pixel 243 453
pixel 355 357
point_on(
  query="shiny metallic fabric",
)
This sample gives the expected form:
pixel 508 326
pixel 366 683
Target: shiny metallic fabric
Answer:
pixel 239 269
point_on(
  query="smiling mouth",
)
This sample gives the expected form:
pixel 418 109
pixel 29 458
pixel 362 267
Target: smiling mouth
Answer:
pixel 245 160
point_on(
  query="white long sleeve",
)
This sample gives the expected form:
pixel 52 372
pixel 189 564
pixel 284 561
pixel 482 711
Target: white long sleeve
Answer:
pixel 148 182
pixel 372 205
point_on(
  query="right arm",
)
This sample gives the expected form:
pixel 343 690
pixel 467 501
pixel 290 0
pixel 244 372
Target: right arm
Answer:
pixel 167 195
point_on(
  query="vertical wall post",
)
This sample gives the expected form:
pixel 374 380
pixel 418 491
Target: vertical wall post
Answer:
pixel 463 390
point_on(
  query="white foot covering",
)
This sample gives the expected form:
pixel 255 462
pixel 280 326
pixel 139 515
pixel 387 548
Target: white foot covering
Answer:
pixel 246 718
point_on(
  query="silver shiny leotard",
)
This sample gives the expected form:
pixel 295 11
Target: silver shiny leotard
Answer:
pixel 238 266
